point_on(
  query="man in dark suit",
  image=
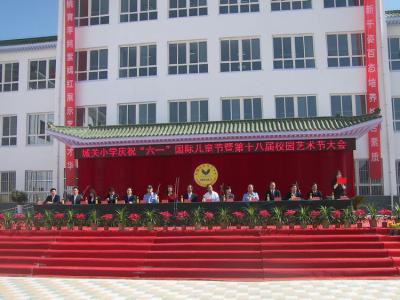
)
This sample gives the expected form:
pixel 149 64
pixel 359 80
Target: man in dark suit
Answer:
pixel 53 198
pixel 75 198
pixel 112 196
pixel 294 192
pixel 315 193
pixel 273 192
pixel 190 195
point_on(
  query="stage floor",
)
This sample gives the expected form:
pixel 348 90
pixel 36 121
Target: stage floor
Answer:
pixel 65 288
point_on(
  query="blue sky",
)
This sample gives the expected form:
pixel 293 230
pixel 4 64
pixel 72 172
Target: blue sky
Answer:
pixel 33 18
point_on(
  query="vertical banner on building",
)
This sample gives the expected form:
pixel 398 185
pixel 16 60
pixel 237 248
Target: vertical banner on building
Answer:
pixel 69 50
pixel 374 140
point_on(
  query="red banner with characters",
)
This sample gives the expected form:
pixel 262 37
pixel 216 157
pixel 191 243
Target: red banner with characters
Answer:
pixel 69 114
pixel 374 139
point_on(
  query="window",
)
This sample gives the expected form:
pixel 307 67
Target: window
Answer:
pixel 348 105
pixel 396 113
pixel 7 185
pixel 42 74
pixel 306 106
pixel 342 3
pixel 188 111
pixel 37 124
pixel 91 64
pixel 130 114
pixel 138 10
pixel 94 12
pixel 240 55
pixel 137 61
pixel 345 50
pixel 364 184
pixel 290 4
pixel 38 184
pixel 9 73
pixel 398 176
pixel 394 53
pixel 293 52
pixel 241 108
pixel 184 8
pixel 188 57
pixel 8 130
pixel 238 6
pixel 91 116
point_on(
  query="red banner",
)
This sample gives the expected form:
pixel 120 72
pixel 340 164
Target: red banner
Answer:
pixel 69 114
pixel 374 139
pixel 217 148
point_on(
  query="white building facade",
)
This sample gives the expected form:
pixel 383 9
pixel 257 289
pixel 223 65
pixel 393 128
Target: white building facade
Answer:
pixel 161 61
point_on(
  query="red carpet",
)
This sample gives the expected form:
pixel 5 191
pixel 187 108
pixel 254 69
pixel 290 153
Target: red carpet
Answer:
pixel 217 254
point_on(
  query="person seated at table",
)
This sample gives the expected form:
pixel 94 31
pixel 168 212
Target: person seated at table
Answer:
pixel 228 195
pixel 339 188
pixel 315 193
pixel 130 198
pixel 53 198
pixel 75 198
pixel 210 196
pixel 92 199
pixel 273 192
pixel 251 195
pixel 171 196
pixel 150 196
pixel 294 192
pixel 112 196
pixel 189 195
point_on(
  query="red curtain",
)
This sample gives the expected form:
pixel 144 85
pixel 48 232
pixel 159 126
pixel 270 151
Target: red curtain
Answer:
pixel 236 170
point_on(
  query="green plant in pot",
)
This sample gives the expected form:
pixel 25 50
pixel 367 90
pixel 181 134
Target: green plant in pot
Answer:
pixel 106 221
pixel 6 219
pixel 19 197
pixel 238 218
pixel 70 219
pixel 208 219
pixel 134 220
pixel 182 217
pixel 372 213
pixel 150 218
pixel 80 219
pixel 197 217
pixel 304 216
pixel 29 220
pixel 59 218
pixel 94 219
pixel 165 218
pixel 357 201
pixel 48 219
pixel 290 217
pixel 224 217
pixel 251 217
pixel 348 217
pixel 337 217
pixel 121 218
pixel 396 213
pixel 325 213
pixel 277 217
pixel 38 220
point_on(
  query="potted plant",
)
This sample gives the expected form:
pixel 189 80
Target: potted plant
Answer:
pixel 18 220
pixel 315 216
pixel 277 217
pixel 182 217
pixel 134 220
pixel 264 217
pixel 290 218
pixel 238 217
pixel 224 217
pixel 70 219
pixel 304 216
pixel 325 213
pixel 59 220
pixel 166 219
pixel 150 218
pixel 93 219
pixel 38 220
pixel 357 201
pixel 336 216
pixel 208 218
pixel 197 215
pixel 360 217
pixel 80 219
pixel 372 213
pixel 106 220
pixel 48 219
pixel 28 220
pixel 20 198
pixel 121 218
pixel 348 217
pixel 386 214
pixel 396 213
pixel 251 216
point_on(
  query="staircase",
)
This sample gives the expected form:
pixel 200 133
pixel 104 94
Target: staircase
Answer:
pixel 207 255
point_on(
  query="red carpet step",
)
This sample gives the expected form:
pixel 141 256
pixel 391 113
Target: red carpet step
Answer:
pixel 236 254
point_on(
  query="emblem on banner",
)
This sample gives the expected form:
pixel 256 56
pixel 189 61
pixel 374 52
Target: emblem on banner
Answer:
pixel 205 174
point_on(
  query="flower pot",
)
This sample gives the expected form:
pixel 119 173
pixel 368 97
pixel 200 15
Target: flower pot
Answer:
pixel 278 225
pixel 325 224
pixel 210 227
pixel 252 226
pixel 373 223
pixel 183 227
pixel 48 227
pixel 80 227
pixel 70 227
pixel 224 226
pixel 359 225
pixel 37 228
pixel 291 226
pixel 315 226
pixel 347 224
pixel 165 228
pixel 150 227
pixel 238 227
pixel 337 225
pixel 93 227
pixel 28 227
pixel 106 228
pixel 121 227
pixel 384 224
pixel 264 227
pixel 197 226
pixel 58 227
pixel 303 225
pixel 18 227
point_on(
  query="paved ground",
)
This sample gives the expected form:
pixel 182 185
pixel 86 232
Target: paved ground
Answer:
pixel 63 288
